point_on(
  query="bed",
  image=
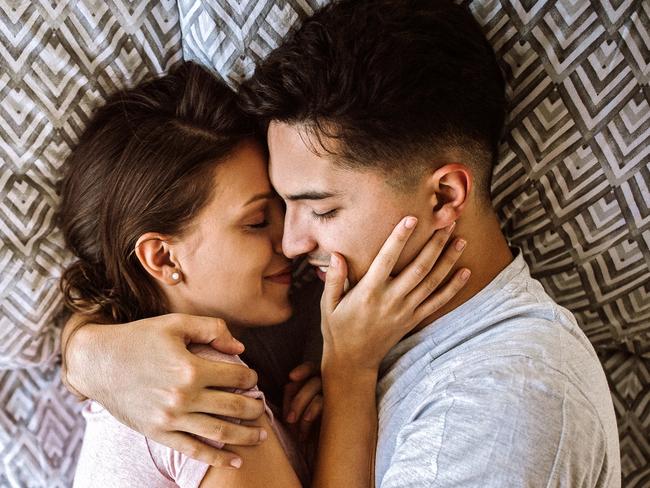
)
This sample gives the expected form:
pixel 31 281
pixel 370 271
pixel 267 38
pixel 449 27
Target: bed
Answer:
pixel 571 187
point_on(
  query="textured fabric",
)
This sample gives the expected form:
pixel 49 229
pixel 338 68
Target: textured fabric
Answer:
pixel 505 390
pixel 58 60
pixel 230 37
pixel 116 456
pixel 571 187
pixel 629 380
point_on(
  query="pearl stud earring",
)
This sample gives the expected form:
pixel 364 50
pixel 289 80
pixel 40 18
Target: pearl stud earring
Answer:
pixel 176 276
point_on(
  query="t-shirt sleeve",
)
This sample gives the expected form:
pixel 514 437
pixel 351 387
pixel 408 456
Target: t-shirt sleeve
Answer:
pixel 500 428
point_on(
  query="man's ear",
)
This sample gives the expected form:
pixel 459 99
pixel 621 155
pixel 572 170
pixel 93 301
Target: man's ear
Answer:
pixel 157 258
pixel 449 187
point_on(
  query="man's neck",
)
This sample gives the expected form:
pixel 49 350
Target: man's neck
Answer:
pixel 486 255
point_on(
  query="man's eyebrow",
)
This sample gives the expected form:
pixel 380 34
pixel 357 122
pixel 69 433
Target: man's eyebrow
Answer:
pixel 260 196
pixel 311 195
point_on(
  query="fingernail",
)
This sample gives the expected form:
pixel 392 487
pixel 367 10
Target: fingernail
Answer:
pixel 235 463
pixel 460 244
pixel 410 222
pixel 334 261
pixel 291 418
pixel 465 274
pixel 263 435
pixel 450 227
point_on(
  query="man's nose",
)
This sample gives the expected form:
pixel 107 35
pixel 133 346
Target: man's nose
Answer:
pixel 297 239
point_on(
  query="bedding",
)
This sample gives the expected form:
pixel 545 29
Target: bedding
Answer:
pixel 571 187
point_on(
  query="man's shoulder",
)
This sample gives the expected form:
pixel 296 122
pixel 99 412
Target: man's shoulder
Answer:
pixel 542 424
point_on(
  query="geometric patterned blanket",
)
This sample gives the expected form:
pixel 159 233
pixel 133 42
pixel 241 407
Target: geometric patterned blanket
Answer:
pixel 571 188
pixel 58 60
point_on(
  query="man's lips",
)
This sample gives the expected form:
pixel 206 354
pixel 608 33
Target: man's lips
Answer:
pixel 283 277
pixel 321 271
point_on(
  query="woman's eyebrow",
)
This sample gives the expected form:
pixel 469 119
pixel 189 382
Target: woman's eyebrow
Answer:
pixel 259 196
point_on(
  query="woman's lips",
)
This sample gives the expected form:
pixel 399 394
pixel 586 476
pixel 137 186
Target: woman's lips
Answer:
pixel 283 277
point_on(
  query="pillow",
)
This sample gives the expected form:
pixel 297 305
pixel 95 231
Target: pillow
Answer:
pixel 59 60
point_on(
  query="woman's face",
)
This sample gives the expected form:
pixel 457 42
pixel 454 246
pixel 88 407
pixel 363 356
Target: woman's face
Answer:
pixel 231 256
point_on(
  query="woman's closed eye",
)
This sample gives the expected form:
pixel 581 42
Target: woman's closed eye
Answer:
pixel 259 225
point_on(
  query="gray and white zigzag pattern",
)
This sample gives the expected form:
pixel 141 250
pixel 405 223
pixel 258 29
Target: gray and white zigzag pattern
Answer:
pixel 231 37
pixel 571 187
pixel 57 61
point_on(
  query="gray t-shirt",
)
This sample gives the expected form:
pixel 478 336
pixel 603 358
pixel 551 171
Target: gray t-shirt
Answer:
pixel 504 391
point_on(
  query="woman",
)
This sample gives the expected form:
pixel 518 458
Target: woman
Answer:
pixel 168 208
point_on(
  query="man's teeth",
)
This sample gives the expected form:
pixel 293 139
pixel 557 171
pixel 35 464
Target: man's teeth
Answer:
pixel 346 285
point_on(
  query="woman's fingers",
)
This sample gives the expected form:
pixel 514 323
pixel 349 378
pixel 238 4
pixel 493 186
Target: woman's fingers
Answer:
pixel 437 275
pixel 442 296
pixel 337 273
pixel 383 264
pixel 196 449
pixel 420 267
pixel 302 399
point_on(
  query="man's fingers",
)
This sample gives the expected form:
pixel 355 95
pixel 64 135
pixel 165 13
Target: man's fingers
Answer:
pixel 207 373
pixel 383 264
pixel 303 371
pixel 290 390
pixel 196 449
pixel 337 273
pixel 312 413
pixel 207 330
pixel 442 296
pixel 223 431
pixel 437 275
pixel 234 405
pixel 302 399
pixel 418 270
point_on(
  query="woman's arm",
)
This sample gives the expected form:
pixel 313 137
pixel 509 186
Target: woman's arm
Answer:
pixel 346 453
pixel 265 466
pixel 143 374
pixel 359 329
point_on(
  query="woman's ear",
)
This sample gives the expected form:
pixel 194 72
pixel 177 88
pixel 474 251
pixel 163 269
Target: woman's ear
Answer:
pixel 449 187
pixel 156 257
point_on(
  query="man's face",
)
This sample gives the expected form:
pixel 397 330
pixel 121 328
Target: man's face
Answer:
pixel 332 209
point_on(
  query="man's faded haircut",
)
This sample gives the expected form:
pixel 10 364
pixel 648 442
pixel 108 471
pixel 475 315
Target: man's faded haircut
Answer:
pixel 388 85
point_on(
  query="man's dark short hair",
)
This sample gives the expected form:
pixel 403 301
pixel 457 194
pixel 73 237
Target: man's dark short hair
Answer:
pixel 388 84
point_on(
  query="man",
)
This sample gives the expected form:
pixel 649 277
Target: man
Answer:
pixel 380 109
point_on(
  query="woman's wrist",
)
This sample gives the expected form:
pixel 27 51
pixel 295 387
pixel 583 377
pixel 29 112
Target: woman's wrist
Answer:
pixel 347 375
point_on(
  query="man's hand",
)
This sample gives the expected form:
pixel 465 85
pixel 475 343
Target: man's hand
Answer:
pixel 303 400
pixel 143 374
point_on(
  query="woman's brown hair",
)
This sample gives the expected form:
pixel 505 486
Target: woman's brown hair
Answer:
pixel 144 164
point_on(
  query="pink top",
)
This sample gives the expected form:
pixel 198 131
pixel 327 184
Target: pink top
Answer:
pixel 115 455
